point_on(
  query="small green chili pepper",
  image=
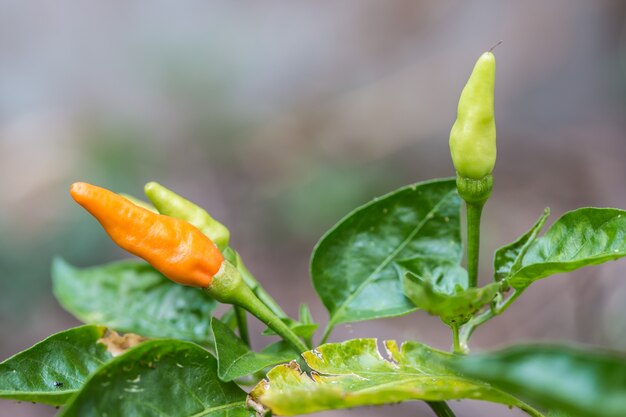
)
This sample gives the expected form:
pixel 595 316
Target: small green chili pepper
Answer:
pixel 171 204
pixel 473 135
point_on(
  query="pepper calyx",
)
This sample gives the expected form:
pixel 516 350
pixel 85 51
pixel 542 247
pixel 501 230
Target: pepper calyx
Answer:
pixel 474 191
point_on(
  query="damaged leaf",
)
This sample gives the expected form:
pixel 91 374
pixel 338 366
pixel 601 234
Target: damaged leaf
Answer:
pixel 354 373
pixel 117 344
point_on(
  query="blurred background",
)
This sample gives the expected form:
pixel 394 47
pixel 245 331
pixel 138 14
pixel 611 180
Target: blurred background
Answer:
pixel 280 117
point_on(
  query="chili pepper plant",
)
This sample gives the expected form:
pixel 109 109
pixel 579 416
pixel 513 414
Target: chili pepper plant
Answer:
pixel 153 345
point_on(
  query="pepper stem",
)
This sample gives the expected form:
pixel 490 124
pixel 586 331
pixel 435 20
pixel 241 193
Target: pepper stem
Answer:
pixel 475 193
pixel 456 343
pixel 229 287
pixel 474 211
pixel 258 309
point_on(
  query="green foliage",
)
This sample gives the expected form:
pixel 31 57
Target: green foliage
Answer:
pixel 389 257
pixel 583 237
pixel 440 287
pixel 580 382
pixel 352 265
pixel 397 254
pixel 133 297
pixel 55 368
pixel 236 360
pixel 354 373
pixel 455 308
pixel 159 378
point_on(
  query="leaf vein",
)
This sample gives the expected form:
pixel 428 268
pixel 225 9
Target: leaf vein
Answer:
pixel 428 217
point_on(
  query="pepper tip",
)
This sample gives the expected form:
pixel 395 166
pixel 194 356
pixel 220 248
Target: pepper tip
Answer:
pixel 77 189
pixel 150 186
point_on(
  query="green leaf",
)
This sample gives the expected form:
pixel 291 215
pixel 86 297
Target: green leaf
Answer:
pixel 577 381
pixel 55 368
pixel 443 276
pixel 236 360
pixel 509 256
pixel 440 287
pixel 353 373
pixel 352 265
pixel 455 305
pixel 587 236
pixel 159 378
pixel 133 297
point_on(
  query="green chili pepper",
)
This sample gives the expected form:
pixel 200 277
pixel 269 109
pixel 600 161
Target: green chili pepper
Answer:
pixel 473 135
pixel 171 204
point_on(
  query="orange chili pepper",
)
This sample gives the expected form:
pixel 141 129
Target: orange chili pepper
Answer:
pixel 174 247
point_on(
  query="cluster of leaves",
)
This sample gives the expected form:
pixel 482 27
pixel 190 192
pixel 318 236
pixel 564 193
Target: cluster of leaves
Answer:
pixel 395 255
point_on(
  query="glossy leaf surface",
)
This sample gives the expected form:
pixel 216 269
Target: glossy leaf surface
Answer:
pixel 236 360
pixel 354 373
pixel 509 256
pixel 133 297
pixel 55 368
pixel 159 378
pixel 579 382
pixel 352 265
pixel 582 237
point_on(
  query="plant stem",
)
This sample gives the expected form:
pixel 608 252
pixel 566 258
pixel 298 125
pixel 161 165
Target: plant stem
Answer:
pixel 242 324
pixel 268 301
pixel 474 211
pixel 440 408
pixel 495 309
pixel 456 346
pixel 257 308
